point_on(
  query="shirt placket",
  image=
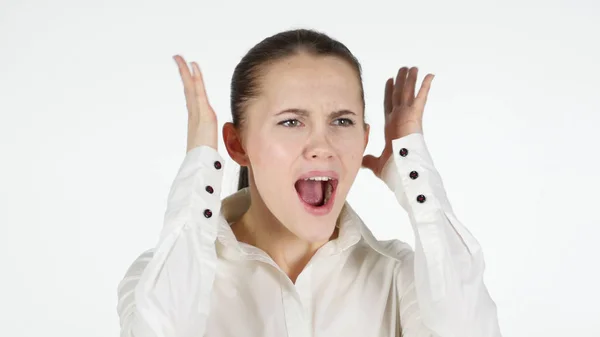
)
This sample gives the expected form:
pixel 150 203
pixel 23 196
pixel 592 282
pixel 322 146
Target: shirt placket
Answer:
pixel 297 305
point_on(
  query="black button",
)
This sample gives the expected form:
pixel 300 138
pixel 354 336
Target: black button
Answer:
pixel 209 189
pixel 207 213
pixel 218 165
pixel 403 152
pixel 414 175
pixel 421 198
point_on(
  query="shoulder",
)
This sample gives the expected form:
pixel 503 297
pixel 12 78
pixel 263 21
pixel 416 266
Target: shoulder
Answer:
pixel 401 255
pixel 387 261
pixel 396 250
pixel 395 254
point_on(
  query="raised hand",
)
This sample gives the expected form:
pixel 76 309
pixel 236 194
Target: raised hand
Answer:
pixel 403 113
pixel 202 120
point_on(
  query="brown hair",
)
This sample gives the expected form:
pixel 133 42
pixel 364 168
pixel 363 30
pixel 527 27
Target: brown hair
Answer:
pixel 244 82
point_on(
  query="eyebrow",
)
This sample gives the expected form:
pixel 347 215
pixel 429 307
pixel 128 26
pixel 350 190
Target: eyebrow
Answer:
pixel 304 113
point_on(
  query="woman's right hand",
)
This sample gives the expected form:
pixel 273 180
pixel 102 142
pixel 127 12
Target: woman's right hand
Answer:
pixel 202 120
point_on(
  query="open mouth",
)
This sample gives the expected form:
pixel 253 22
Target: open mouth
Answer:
pixel 317 193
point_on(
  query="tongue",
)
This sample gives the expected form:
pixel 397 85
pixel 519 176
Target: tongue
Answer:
pixel 311 191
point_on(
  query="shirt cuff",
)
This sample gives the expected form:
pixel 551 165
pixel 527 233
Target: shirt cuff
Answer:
pixel 195 195
pixel 411 174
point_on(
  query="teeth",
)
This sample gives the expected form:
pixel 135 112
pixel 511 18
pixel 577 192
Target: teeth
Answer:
pixel 319 178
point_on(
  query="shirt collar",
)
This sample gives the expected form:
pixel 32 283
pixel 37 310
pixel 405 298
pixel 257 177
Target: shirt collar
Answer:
pixel 351 229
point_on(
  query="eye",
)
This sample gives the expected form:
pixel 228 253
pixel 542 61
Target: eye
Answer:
pixel 290 123
pixel 343 122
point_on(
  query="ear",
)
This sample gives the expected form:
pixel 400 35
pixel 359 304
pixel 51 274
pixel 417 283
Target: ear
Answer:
pixel 233 144
pixel 367 131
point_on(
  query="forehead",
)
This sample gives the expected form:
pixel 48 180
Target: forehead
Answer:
pixel 304 80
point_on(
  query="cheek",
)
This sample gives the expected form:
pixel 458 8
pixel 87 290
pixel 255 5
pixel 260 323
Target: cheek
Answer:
pixel 350 148
pixel 271 156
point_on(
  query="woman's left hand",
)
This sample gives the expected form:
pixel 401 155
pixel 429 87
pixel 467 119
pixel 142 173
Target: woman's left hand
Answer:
pixel 403 113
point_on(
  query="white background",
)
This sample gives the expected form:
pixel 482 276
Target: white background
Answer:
pixel 93 122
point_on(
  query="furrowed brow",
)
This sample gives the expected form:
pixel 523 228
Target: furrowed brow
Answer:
pixel 299 112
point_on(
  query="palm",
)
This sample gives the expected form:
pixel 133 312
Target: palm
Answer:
pixel 403 113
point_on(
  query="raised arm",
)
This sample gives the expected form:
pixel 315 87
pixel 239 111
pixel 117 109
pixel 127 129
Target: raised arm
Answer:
pixel 441 289
pixel 166 291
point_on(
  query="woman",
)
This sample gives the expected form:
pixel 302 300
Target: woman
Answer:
pixel 286 255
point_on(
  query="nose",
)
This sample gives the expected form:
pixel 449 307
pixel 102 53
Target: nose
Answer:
pixel 318 147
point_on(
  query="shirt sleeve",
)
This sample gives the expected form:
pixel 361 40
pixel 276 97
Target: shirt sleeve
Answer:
pixel 166 291
pixel 442 290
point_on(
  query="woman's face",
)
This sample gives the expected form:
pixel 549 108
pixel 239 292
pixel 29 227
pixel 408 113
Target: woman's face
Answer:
pixel 304 139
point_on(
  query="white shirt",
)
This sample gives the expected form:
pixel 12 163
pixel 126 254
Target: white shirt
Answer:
pixel 200 281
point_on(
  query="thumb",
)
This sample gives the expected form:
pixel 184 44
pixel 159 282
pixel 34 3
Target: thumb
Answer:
pixel 370 162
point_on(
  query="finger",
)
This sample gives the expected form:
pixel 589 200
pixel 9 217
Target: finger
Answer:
pixel 399 86
pixel 184 71
pixel 387 100
pixel 207 114
pixel 408 93
pixel 424 91
pixel 199 88
pixel 370 162
pixel 188 85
